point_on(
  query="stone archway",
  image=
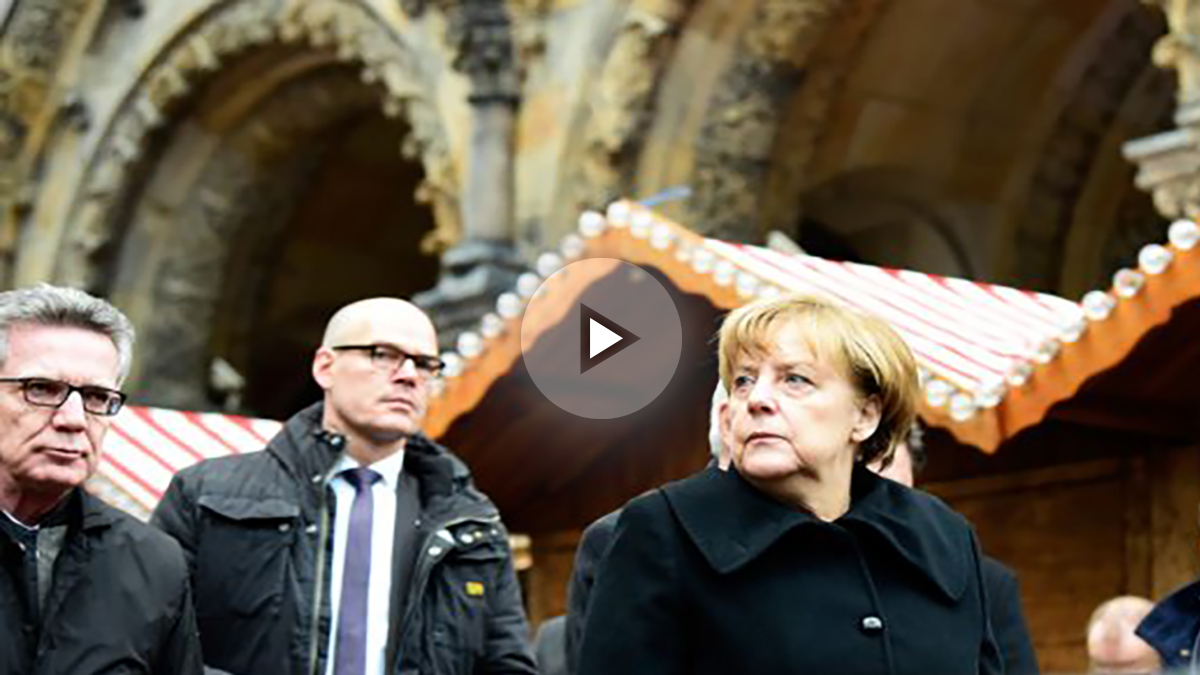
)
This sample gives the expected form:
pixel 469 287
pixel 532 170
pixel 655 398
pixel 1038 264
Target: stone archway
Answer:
pixel 762 128
pixel 887 217
pixel 1080 187
pixel 329 31
pixel 162 245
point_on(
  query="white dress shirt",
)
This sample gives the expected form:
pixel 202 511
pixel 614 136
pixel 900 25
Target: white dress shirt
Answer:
pixel 383 534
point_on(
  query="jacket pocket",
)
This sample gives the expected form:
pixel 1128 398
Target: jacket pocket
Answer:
pixel 244 554
pixel 462 585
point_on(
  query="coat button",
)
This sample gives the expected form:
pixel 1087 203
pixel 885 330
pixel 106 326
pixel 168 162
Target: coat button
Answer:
pixel 871 625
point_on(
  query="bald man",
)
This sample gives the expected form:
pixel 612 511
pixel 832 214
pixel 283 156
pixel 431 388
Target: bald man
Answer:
pixel 352 545
pixel 1112 645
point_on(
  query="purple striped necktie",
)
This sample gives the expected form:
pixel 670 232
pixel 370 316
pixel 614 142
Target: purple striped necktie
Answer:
pixel 351 651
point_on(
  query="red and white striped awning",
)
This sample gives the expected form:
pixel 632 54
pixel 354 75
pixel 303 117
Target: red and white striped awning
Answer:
pixel 145 447
pixel 975 336
pixel 988 354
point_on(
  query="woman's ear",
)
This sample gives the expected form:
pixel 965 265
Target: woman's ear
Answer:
pixel 870 412
pixel 725 416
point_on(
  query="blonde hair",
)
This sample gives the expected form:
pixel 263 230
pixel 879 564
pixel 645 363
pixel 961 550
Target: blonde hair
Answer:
pixel 868 352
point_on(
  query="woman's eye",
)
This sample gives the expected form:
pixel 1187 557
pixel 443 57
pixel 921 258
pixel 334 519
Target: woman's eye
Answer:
pixel 795 379
pixel 742 381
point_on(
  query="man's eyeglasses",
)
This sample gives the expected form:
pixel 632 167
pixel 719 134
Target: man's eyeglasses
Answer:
pixel 49 393
pixel 390 359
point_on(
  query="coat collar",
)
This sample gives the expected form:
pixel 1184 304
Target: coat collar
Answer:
pixel 1172 626
pixel 309 452
pixel 95 513
pixel 732 523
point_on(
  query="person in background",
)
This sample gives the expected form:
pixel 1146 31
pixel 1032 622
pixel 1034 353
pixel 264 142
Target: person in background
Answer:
pixel 549 646
pixel 798 559
pixel 1003 591
pixel 1112 645
pixel 353 545
pixel 84 587
pixel 596 538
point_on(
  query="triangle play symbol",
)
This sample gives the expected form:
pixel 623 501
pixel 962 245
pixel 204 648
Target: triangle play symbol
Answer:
pixel 600 338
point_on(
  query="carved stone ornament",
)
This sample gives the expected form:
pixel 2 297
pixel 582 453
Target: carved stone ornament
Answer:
pixel 622 98
pixel 734 149
pixel 479 33
pixel 413 8
pixel 1169 162
pixel 1179 49
pixel 349 28
pixel 35 33
pixel 1169 169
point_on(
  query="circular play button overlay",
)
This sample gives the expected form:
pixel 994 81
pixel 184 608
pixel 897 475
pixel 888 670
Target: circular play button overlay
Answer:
pixel 601 338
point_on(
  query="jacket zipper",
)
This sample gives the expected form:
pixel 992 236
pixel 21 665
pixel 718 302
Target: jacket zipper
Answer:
pixel 425 567
pixel 318 590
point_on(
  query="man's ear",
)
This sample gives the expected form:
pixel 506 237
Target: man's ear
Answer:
pixel 870 413
pixel 322 368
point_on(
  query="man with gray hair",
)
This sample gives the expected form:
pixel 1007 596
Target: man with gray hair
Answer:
pixel 84 588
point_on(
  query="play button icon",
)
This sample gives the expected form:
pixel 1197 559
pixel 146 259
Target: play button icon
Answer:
pixel 601 338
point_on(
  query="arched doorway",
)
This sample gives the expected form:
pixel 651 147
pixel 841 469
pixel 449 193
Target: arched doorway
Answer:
pixel 278 193
pixel 885 217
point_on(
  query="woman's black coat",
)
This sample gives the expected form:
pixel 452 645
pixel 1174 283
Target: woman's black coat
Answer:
pixel 710 575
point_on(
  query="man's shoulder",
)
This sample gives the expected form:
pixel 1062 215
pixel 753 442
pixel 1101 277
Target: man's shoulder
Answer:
pixel 232 470
pixel 598 535
pixel 135 538
pixel 996 574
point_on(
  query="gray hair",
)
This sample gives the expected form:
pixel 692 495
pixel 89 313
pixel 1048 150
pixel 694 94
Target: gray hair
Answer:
pixel 46 305
pixel 715 445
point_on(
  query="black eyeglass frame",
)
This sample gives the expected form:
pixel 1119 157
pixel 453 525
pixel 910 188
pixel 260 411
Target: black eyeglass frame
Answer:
pixel 424 363
pixel 84 390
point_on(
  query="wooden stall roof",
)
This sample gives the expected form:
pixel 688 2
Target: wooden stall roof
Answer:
pixel 993 359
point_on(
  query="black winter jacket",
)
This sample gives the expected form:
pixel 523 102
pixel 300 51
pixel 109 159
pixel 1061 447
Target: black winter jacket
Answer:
pixel 711 576
pixel 1003 593
pixel 257 530
pixel 119 603
pixel 1173 628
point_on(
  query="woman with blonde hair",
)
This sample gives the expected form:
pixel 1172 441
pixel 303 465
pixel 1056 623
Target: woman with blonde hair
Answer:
pixel 798 559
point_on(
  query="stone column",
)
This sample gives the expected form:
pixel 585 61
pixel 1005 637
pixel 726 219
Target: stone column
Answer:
pixel 1169 162
pixel 485 263
pixel 39 42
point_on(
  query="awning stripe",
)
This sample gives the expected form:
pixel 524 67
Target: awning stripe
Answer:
pixel 933 343
pixel 970 333
pixel 145 447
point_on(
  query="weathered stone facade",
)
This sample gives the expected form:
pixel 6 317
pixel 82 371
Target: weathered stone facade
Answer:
pixel 147 147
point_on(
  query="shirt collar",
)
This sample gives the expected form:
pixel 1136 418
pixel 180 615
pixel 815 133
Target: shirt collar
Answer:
pixel 388 468
pixel 13 520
